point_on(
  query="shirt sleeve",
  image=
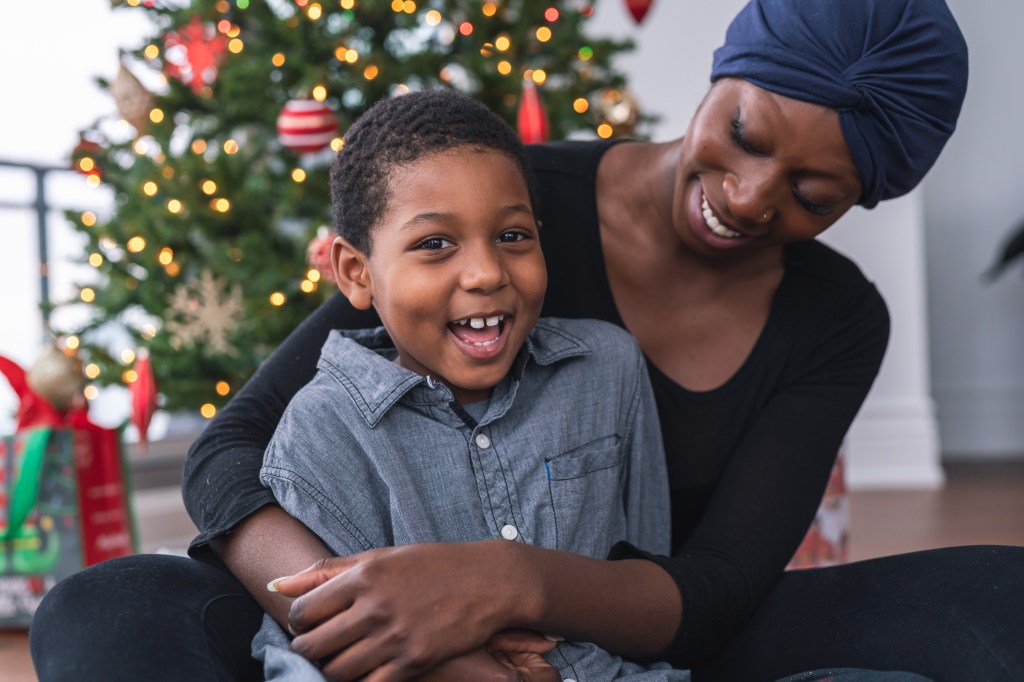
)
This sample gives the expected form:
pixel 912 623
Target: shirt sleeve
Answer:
pixel 302 463
pixel 221 484
pixel 767 497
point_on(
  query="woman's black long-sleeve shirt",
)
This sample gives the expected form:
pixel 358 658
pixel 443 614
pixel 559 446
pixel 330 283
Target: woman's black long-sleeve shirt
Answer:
pixel 747 461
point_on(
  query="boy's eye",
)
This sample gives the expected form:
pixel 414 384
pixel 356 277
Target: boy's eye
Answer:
pixel 434 243
pixel 511 236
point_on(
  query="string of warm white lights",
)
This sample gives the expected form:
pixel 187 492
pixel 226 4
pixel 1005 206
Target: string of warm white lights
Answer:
pixel 186 182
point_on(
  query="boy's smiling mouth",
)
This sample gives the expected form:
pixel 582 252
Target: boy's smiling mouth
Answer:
pixel 481 337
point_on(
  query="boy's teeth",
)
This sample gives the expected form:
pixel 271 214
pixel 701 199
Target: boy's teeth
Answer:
pixel 714 223
pixel 481 322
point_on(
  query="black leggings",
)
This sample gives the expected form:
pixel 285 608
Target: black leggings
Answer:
pixel 953 614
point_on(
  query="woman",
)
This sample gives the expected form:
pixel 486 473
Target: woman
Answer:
pixel 762 344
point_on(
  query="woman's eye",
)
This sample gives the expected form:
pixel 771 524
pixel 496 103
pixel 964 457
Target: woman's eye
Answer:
pixel 810 206
pixel 511 236
pixel 736 133
pixel 435 243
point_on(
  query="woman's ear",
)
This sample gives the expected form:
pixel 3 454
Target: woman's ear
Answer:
pixel 352 271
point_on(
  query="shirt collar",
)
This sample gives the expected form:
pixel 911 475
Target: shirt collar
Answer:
pixel 353 358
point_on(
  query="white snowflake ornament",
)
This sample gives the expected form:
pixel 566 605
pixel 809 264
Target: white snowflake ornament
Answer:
pixel 204 310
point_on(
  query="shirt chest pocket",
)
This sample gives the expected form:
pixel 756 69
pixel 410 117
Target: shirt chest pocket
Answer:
pixel 586 486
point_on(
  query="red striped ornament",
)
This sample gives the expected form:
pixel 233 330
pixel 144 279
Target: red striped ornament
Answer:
pixel 532 117
pixel 305 125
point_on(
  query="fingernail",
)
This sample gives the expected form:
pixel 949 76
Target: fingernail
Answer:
pixel 554 638
pixel 272 585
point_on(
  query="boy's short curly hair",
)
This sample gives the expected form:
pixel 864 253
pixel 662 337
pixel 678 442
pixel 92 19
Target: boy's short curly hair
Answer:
pixel 398 131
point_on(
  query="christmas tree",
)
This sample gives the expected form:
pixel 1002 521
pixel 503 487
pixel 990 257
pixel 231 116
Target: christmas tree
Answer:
pixel 220 176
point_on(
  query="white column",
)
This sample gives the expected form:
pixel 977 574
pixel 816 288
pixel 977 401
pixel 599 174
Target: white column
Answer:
pixel 894 440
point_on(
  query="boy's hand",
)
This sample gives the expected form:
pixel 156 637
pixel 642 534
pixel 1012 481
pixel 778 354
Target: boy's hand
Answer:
pixel 522 661
pixel 522 651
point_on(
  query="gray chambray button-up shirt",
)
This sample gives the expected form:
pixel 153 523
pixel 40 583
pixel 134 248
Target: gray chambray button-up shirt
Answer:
pixel 567 456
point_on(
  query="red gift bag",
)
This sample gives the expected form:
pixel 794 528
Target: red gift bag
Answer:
pixel 64 505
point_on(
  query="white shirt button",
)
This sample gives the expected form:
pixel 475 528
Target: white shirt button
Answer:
pixel 482 441
pixel 509 532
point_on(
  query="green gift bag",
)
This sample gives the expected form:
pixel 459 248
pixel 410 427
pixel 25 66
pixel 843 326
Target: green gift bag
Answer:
pixel 64 505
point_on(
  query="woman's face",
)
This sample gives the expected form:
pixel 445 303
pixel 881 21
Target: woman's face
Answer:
pixel 758 169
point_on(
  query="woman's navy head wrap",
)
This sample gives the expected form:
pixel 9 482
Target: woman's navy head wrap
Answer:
pixel 896 70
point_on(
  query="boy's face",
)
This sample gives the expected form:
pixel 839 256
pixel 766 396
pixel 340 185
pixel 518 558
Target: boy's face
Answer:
pixel 456 271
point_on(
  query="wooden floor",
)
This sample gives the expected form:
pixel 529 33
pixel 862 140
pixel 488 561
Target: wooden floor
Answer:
pixel 981 504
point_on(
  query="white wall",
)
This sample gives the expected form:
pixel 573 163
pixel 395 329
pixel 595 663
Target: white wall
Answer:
pixel 973 197
pixel 50 56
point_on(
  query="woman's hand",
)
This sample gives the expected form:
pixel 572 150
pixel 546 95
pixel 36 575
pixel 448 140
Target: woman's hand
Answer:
pixel 397 612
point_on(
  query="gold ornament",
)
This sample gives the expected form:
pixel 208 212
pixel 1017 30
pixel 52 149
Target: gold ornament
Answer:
pixel 618 108
pixel 57 377
pixel 134 101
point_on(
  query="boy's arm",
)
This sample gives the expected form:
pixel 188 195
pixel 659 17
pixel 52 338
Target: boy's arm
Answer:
pixel 309 466
pixel 266 545
pixel 237 517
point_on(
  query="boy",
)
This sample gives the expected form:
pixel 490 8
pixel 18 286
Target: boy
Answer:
pixel 464 417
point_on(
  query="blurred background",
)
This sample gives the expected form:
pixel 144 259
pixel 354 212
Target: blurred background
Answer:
pixel 952 387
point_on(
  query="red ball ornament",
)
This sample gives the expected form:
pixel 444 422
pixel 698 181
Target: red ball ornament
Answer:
pixel 532 117
pixel 306 126
pixel 639 9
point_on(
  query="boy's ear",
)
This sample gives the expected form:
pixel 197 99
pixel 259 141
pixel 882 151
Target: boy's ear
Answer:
pixel 352 271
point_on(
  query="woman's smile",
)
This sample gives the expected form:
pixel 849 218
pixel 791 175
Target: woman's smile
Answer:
pixel 714 224
pixel 709 226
